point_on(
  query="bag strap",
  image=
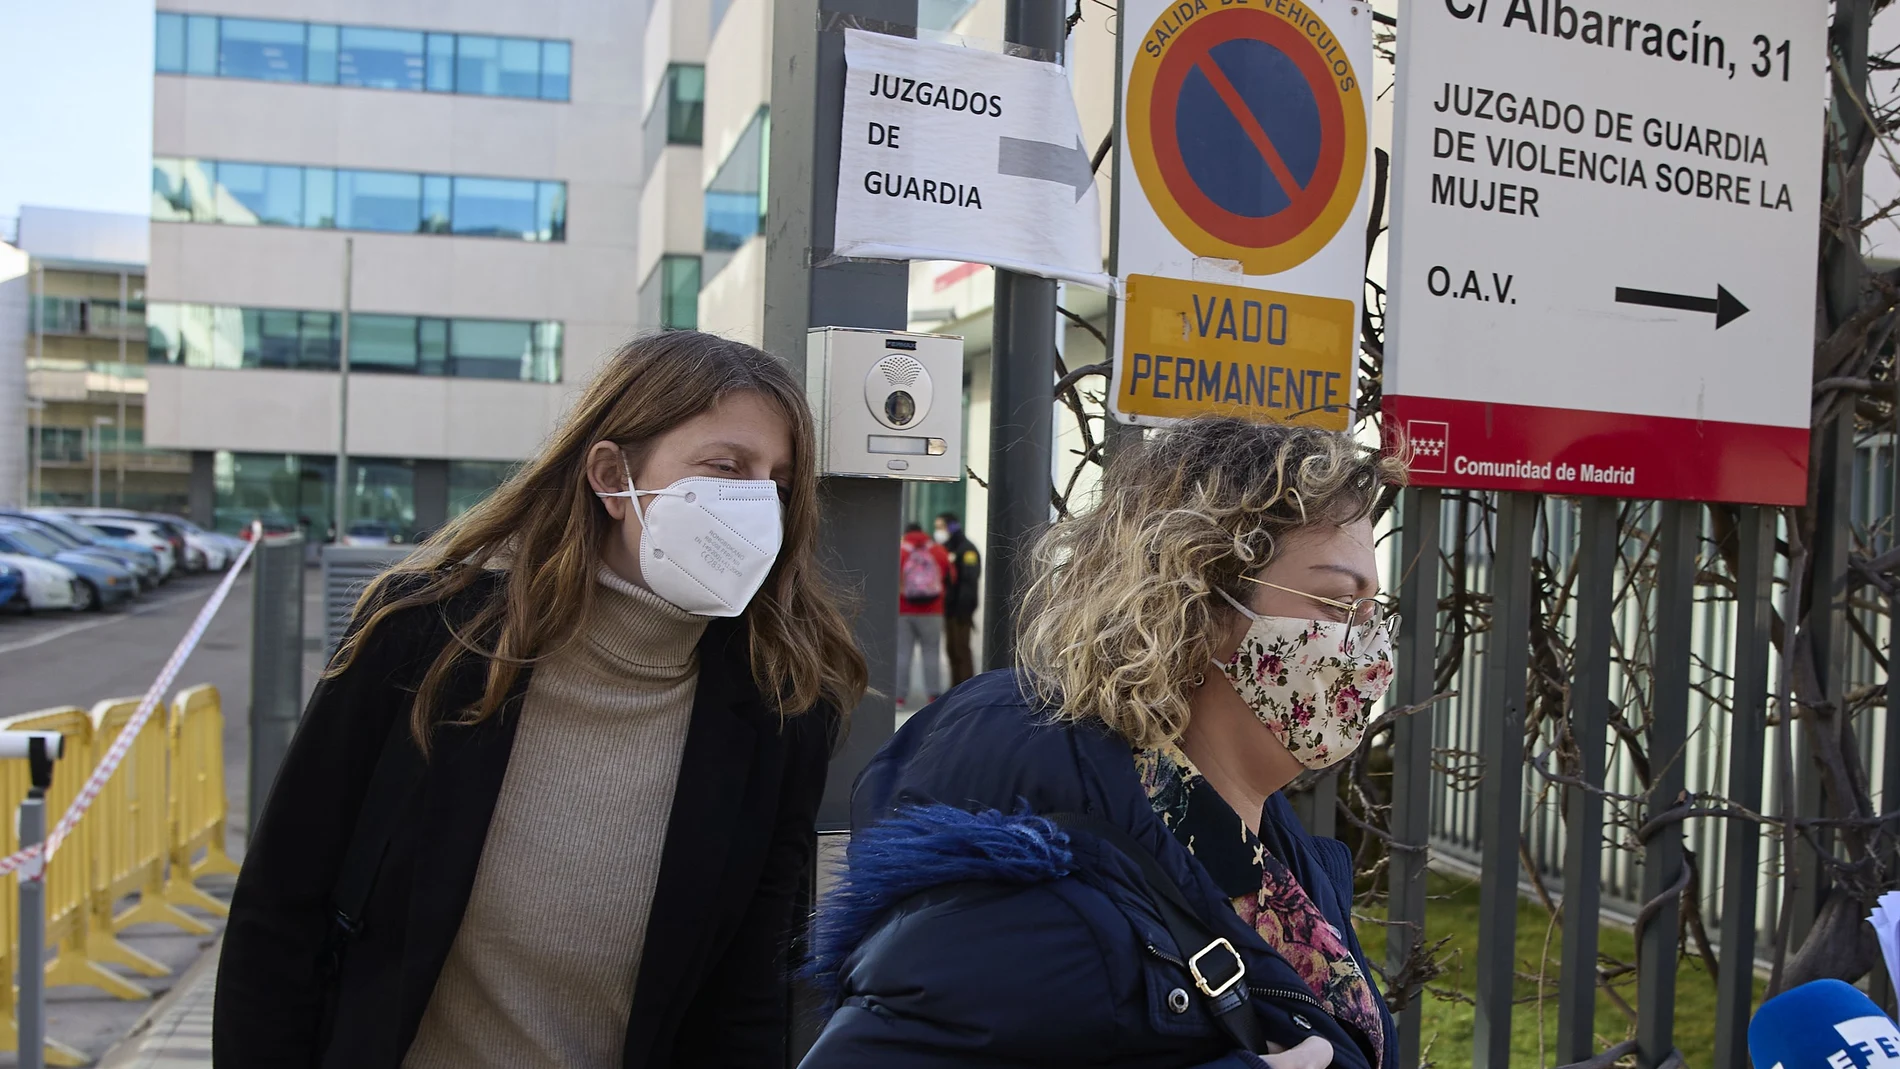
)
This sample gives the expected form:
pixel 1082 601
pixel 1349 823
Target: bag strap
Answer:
pixel 398 768
pixel 1217 968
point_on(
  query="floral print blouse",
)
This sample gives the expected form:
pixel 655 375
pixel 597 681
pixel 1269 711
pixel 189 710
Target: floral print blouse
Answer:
pixel 1264 893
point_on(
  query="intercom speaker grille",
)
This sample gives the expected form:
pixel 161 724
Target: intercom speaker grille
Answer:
pixel 899 370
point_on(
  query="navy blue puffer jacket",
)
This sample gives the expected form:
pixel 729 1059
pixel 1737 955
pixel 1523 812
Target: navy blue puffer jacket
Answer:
pixel 968 931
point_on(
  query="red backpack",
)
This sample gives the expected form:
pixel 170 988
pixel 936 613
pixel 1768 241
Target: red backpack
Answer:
pixel 922 577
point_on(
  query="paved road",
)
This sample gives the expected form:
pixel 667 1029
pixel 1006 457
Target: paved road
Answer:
pixel 50 660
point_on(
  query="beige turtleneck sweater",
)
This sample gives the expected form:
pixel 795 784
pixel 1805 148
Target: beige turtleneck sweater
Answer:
pixel 542 970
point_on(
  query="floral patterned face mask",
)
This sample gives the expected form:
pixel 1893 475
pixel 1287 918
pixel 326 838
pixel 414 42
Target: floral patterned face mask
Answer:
pixel 1313 683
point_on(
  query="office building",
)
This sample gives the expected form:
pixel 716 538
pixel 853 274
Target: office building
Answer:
pixel 73 354
pixel 483 160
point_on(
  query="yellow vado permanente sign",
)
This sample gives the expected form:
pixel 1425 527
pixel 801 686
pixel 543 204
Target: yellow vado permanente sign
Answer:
pixel 1240 242
pixel 1198 348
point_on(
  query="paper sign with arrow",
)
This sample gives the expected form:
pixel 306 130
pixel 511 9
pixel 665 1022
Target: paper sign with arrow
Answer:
pixel 955 153
pixel 1045 162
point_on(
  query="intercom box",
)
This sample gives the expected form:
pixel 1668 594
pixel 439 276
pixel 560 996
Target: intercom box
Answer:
pixel 889 403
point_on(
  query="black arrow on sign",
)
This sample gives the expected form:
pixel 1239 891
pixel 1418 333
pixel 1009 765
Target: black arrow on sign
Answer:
pixel 1046 162
pixel 1723 305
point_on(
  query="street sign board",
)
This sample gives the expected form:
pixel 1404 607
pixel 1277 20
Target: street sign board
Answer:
pixel 1240 214
pixel 1603 261
pixel 953 153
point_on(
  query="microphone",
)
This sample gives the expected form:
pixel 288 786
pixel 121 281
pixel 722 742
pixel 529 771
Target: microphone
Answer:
pixel 1825 1024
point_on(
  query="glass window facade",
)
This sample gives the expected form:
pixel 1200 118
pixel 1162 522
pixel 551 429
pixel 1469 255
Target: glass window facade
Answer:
pixel 370 57
pixel 296 491
pixel 62 444
pixel 201 44
pixel 379 59
pixel 471 481
pixel 320 55
pixel 169 44
pixel 263 49
pixel 735 199
pixel 256 194
pixel 678 115
pixel 679 292
pixel 215 336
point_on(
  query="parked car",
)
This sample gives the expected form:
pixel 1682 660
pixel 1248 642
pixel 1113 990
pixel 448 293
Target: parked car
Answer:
pixel 143 563
pixel 227 548
pixel 191 554
pixel 198 548
pixel 138 531
pixel 45 585
pixel 274 524
pixel 100 584
pixel 369 534
pixel 175 538
pixel 12 588
pixel 147 557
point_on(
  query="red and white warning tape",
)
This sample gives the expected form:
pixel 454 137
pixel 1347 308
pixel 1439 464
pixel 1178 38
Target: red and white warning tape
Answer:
pixel 28 860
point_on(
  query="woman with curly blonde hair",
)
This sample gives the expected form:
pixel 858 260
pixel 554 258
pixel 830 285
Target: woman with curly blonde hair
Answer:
pixel 1088 860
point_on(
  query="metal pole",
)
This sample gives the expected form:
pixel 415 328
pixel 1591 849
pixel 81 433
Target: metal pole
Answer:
pixel 1022 404
pixel 32 1024
pixel 860 520
pixel 341 510
pixel 1890 750
pixel 32 1004
pixel 93 436
pixel 39 358
pixel 277 574
pixel 1419 560
pixel 1678 536
pixel 118 494
pixel 1501 791
pixel 1754 628
pixel 35 414
pixel 1598 544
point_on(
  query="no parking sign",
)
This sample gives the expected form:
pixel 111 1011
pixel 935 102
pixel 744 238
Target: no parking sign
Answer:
pixel 1241 236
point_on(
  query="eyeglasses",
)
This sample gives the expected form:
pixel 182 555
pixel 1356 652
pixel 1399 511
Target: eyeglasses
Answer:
pixel 1365 617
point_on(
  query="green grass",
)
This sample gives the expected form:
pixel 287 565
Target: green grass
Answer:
pixel 1453 912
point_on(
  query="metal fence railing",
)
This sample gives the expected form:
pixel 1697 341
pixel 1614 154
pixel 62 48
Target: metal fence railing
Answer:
pixel 1706 759
pixel 1646 637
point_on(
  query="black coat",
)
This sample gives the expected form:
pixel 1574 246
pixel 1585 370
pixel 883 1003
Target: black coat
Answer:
pixel 712 985
pixel 967 931
pixel 965 591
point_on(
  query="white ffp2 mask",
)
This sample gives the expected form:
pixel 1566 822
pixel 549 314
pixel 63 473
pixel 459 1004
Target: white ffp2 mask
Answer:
pixel 706 545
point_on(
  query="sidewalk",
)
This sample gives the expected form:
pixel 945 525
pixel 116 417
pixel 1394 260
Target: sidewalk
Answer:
pixel 176 1032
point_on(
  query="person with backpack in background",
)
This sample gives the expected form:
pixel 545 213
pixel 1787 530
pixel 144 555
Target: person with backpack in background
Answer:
pixel 924 572
pixel 962 597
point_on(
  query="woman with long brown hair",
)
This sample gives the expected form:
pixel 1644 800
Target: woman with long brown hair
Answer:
pixel 553 801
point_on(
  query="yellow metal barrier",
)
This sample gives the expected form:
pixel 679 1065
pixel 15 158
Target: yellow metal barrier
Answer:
pixel 71 876
pixel 131 842
pixel 67 881
pixel 198 806
pixel 162 807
